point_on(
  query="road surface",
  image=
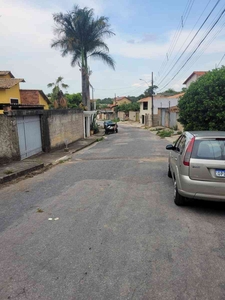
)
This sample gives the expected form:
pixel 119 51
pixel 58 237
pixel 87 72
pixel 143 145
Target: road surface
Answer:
pixel 104 226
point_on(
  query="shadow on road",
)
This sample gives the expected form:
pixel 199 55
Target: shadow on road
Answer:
pixel 207 207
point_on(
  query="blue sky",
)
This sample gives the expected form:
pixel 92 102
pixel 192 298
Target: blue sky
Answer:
pixel 145 31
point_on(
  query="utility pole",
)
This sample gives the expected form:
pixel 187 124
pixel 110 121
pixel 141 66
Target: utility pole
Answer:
pixel 152 100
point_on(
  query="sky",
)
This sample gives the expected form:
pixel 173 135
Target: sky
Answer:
pixel 150 36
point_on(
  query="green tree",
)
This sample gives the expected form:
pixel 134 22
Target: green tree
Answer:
pixel 150 91
pixel 74 100
pixel 203 105
pixel 128 107
pixel 81 35
pixel 57 93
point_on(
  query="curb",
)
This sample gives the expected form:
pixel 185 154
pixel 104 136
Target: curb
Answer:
pixel 10 177
pixel 21 173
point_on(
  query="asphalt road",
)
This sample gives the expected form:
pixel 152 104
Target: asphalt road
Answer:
pixel 115 232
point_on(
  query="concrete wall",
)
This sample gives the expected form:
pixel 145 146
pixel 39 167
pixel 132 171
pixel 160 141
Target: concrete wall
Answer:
pixel 64 125
pixel 134 116
pixel 9 142
pixel 121 115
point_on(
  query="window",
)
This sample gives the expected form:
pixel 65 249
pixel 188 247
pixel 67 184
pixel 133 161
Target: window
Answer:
pixel 209 149
pixel 14 101
pixel 181 144
pixel 145 105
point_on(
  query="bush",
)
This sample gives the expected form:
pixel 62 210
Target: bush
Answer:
pixel 203 105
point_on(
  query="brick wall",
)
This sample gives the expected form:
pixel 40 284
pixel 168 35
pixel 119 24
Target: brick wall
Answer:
pixel 29 97
pixel 9 143
pixel 64 125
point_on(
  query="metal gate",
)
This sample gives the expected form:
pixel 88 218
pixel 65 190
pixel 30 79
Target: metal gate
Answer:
pixel 29 132
pixel 163 117
pixel 173 119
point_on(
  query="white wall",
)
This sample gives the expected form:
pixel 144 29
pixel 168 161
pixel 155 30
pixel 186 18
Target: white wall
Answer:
pixel 163 102
pixel 192 79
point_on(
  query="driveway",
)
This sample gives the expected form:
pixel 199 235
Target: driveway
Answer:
pixel 104 226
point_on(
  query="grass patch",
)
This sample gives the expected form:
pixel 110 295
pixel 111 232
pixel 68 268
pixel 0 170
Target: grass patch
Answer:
pixel 61 161
pixel 165 133
pixel 8 171
pixel 116 120
pixel 100 139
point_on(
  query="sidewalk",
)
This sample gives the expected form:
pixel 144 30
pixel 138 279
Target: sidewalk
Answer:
pixel 17 169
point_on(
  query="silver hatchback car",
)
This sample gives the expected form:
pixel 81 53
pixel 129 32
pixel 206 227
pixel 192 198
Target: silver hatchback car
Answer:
pixel 197 166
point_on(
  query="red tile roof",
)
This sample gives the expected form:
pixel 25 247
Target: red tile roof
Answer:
pixel 198 73
pixel 31 96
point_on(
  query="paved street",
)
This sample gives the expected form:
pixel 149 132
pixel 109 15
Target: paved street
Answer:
pixel 114 231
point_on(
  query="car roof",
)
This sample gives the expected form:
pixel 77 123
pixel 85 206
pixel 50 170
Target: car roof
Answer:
pixel 208 133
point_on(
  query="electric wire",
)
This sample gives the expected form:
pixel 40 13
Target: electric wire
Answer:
pixel 174 40
pixel 222 13
pixel 221 60
pixel 190 42
pixel 206 47
pixel 188 35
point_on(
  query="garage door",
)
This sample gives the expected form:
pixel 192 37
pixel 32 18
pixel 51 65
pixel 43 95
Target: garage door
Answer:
pixel 29 132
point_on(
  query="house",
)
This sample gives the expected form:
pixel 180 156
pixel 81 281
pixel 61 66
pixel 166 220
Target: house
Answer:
pixel 159 102
pixel 193 77
pixel 34 97
pixel 12 97
pixel 119 101
pixel 145 110
pixel 9 89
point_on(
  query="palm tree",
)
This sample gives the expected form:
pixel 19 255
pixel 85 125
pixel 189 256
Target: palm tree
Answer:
pixel 81 35
pixel 57 94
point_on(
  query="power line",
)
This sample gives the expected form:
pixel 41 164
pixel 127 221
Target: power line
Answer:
pixel 112 89
pixel 190 42
pixel 196 48
pixel 206 46
pixel 177 34
pixel 221 60
pixel 191 31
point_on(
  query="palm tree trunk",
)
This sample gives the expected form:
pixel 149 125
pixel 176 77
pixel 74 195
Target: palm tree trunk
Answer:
pixel 87 82
pixel 83 79
pixel 88 92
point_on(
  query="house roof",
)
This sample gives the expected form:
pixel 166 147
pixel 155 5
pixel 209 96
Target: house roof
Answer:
pixel 3 73
pixel 149 98
pixel 176 96
pixel 198 73
pixel 40 92
pixel 121 98
pixel 144 99
pixel 7 83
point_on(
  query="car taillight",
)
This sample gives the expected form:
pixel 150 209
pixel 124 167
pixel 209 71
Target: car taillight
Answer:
pixel 187 155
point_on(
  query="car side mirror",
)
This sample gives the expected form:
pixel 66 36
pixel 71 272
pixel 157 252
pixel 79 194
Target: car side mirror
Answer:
pixel 170 147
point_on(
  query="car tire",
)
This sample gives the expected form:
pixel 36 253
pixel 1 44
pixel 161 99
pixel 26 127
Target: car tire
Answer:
pixel 179 200
pixel 116 130
pixel 169 172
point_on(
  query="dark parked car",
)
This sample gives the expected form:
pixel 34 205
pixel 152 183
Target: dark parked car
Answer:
pixel 110 126
pixel 107 122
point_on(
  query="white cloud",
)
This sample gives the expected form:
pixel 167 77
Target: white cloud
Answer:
pixel 26 32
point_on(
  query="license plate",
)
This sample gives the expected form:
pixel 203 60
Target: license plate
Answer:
pixel 220 173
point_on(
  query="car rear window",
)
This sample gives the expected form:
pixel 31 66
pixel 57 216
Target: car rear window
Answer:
pixel 209 149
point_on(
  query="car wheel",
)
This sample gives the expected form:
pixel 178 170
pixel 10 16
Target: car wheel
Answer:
pixel 169 172
pixel 178 199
